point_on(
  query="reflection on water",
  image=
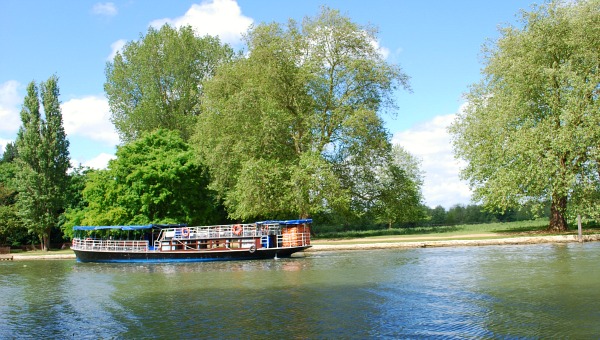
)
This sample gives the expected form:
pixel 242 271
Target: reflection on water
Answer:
pixel 540 291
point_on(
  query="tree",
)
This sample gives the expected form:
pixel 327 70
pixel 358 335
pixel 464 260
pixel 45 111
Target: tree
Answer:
pixel 155 179
pixel 285 129
pixel 43 161
pixel 530 132
pixel 156 82
pixel 438 215
pixel 399 198
pixel 9 154
pixel 75 204
pixel 12 231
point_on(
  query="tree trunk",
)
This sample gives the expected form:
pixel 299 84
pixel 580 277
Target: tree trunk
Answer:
pixel 45 242
pixel 46 239
pixel 558 222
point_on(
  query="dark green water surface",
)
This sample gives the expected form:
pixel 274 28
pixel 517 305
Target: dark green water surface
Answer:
pixel 533 291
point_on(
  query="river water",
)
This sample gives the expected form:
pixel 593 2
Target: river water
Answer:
pixel 533 291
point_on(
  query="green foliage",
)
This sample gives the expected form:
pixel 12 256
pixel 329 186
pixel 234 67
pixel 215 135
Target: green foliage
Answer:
pixel 10 153
pixel 156 81
pixel 437 215
pixel 12 230
pixel 154 179
pixel 399 197
pixel 440 231
pixel 294 128
pixel 530 133
pixel 75 203
pixel 43 161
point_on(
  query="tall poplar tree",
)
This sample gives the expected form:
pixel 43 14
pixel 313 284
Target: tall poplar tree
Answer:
pixel 43 160
pixel 531 131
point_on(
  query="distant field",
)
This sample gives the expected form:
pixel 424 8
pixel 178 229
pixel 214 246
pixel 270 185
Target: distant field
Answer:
pixel 475 230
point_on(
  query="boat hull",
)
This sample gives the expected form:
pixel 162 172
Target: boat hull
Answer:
pixel 184 256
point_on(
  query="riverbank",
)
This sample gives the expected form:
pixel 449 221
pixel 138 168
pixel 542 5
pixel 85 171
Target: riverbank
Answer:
pixel 464 241
pixel 387 243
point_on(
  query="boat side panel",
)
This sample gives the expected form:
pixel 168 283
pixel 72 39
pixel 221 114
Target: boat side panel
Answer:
pixel 184 256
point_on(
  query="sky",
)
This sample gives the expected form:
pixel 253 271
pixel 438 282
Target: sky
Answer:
pixel 437 43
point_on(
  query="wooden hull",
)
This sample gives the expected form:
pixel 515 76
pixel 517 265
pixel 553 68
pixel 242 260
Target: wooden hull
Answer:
pixel 184 256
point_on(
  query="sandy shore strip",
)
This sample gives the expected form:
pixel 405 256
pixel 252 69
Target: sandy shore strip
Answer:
pixel 18 257
pixel 392 243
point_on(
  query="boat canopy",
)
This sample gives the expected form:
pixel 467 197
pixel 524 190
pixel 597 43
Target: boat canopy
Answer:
pixel 148 226
pixel 308 220
pixel 128 227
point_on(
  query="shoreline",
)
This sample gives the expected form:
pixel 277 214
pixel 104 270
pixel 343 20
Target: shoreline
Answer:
pixel 456 243
pixel 396 243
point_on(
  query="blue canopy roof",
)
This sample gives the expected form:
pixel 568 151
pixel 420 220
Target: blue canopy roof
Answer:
pixel 128 227
pixel 308 220
pixel 121 227
pixel 148 226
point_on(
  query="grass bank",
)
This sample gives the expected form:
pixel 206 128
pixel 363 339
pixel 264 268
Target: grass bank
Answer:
pixel 467 232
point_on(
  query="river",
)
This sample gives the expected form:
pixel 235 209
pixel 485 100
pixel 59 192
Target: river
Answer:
pixel 528 291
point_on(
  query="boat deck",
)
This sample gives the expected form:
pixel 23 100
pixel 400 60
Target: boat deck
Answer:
pixel 247 237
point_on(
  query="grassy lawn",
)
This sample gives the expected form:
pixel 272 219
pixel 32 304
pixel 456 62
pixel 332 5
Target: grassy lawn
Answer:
pixel 471 231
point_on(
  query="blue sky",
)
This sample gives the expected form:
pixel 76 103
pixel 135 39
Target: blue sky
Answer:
pixel 437 43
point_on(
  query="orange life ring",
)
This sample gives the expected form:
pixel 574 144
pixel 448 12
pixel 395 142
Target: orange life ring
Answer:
pixel 237 229
pixel 185 232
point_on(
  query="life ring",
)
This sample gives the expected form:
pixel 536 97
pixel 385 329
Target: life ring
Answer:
pixel 252 249
pixel 237 229
pixel 185 232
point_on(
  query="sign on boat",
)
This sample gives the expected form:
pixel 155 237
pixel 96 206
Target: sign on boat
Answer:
pixel 182 243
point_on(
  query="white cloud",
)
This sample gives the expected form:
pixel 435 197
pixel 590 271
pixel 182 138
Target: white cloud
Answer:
pixel 10 100
pixel 3 143
pixel 105 8
pixel 221 18
pixel 115 47
pixel 383 51
pixel 89 117
pixel 431 143
pixel 98 162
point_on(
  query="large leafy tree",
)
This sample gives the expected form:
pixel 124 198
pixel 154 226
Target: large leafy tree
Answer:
pixel 43 161
pixel 532 129
pixel 156 82
pixel 399 198
pixel 296 125
pixel 155 179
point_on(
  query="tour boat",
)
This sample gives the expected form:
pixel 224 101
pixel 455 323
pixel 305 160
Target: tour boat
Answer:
pixel 181 243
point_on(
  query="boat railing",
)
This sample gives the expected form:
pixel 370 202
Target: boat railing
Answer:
pixel 218 231
pixel 285 236
pixel 109 245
